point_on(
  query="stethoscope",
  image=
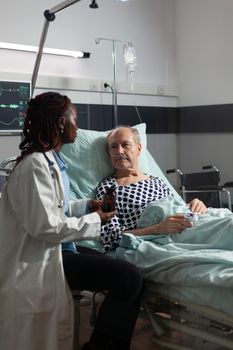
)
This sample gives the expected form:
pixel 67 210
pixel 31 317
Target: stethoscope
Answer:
pixel 61 202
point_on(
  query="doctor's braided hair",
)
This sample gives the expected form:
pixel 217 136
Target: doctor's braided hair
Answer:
pixel 41 130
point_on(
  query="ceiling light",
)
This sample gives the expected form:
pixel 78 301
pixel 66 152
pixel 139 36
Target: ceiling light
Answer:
pixel 46 50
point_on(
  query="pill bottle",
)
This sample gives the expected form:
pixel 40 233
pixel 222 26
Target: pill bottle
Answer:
pixel 109 199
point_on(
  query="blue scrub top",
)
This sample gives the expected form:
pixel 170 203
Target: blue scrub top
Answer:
pixel 68 246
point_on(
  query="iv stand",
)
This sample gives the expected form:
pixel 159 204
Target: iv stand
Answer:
pixel 49 17
pixel 114 41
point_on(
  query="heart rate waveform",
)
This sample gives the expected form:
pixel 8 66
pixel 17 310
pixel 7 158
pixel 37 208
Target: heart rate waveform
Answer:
pixel 14 96
pixel 11 105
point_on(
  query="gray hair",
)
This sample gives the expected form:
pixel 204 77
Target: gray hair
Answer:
pixel 134 131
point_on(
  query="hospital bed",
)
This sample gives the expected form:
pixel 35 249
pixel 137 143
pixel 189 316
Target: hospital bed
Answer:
pixel 204 314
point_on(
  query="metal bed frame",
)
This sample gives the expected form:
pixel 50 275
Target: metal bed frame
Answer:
pixel 205 326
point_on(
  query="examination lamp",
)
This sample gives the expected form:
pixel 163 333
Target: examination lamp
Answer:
pixel 93 5
pixel 49 17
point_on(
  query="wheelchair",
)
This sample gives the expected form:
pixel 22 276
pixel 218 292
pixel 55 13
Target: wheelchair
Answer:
pixel 205 185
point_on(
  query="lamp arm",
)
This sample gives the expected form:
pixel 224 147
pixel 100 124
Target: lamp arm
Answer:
pixel 49 17
pixel 62 6
pixel 39 55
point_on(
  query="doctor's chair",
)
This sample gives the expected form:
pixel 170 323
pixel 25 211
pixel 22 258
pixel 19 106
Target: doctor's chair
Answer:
pixel 205 185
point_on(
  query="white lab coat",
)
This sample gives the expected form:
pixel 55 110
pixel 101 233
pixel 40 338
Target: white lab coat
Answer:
pixel 36 308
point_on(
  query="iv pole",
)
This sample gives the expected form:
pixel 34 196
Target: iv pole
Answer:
pixel 114 41
pixel 49 17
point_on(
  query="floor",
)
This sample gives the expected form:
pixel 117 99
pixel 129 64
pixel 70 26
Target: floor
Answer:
pixel 142 336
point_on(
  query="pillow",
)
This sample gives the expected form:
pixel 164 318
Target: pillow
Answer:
pixel 88 161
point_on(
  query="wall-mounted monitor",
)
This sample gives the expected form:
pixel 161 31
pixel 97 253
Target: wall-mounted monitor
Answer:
pixel 14 96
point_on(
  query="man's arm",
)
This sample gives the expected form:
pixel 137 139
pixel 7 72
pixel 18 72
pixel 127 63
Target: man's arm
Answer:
pixel 172 224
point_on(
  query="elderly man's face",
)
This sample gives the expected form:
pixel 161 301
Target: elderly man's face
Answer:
pixel 123 149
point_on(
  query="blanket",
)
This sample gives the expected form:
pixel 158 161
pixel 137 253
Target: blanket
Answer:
pixel 200 256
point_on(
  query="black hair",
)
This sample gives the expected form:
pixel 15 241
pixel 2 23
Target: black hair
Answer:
pixel 41 130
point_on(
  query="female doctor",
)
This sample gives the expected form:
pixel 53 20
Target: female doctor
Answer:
pixel 36 309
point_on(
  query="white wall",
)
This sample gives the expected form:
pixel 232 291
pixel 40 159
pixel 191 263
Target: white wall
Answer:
pixel 149 24
pixel 205 69
pixel 204 51
pixel 211 149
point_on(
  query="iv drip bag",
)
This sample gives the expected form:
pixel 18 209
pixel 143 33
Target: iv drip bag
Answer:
pixel 130 58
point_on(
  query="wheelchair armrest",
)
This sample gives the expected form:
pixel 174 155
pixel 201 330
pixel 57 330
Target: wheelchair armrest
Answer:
pixel 170 171
pixel 209 167
pixel 228 184
pixel 204 188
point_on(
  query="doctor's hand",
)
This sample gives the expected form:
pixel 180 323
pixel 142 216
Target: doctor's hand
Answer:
pixel 94 205
pixel 173 224
pixel 197 206
pixel 105 217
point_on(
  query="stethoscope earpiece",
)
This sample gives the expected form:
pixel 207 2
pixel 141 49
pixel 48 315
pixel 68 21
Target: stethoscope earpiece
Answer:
pixel 61 205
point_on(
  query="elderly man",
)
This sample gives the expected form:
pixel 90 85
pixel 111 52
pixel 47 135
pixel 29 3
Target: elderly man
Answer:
pixel 135 190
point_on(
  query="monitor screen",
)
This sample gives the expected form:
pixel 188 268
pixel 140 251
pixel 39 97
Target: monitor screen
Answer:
pixel 13 103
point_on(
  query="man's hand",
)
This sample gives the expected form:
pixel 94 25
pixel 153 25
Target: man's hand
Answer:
pixel 197 206
pixel 173 224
